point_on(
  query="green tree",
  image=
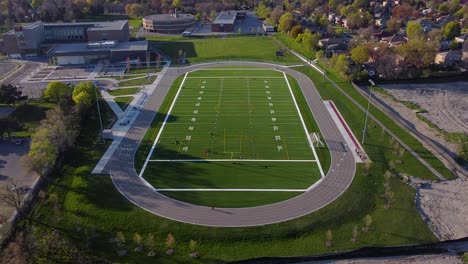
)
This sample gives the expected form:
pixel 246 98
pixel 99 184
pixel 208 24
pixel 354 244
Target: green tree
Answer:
pixel 36 3
pixel 84 95
pixel 262 10
pixel 9 94
pixel 9 125
pixel 58 91
pixel 177 4
pixel 309 40
pixel 170 241
pixel 295 31
pixel 42 153
pixel 414 30
pixel 394 24
pixel 451 30
pixel 193 246
pixel 360 54
pixel 417 52
pixel 341 65
pixel 286 22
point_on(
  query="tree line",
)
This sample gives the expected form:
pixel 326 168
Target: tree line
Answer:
pixel 58 131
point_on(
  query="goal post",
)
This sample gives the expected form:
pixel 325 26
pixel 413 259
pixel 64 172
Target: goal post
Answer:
pixel 316 140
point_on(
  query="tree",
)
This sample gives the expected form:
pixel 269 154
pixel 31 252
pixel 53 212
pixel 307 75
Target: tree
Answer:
pixel 58 91
pixel 275 15
pixel 417 52
pixel 394 24
pixel 177 4
pixel 150 245
pixel 341 64
pixel 83 95
pixel 354 234
pixel 403 12
pixel 42 153
pixel 120 238
pixel 451 30
pixel 262 10
pixel 9 125
pixel 138 239
pixel 296 30
pixel 414 30
pixel 169 243
pixel 367 223
pixel 193 247
pixel 286 22
pixel 309 40
pixel 9 94
pixel 14 195
pixel 360 54
pixel 329 237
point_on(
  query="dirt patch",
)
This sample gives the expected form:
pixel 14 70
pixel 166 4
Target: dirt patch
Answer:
pixel 444 206
pixel 446 103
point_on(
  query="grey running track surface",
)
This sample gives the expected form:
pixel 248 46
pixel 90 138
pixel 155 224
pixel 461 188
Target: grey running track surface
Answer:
pixel 138 191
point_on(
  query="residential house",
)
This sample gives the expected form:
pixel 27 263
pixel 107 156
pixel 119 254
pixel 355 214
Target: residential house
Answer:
pixel 341 48
pixel 394 40
pixel 447 58
pixel 461 38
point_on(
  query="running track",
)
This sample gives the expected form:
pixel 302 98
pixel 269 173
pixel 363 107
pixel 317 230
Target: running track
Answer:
pixel 138 191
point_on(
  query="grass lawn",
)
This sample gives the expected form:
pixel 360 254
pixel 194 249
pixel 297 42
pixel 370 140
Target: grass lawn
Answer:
pixel 144 71
pixel 135 23
pixel 125 77
pixel 235 48
pixel 226 116
pixel 123 102
pixel 124 91
pixel 138 81
pixel 30 115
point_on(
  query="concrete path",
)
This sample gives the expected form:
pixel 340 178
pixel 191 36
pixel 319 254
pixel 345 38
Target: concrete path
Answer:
pixel 124 176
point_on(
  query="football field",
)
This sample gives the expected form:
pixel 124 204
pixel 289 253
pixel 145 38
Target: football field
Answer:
pixel 233 129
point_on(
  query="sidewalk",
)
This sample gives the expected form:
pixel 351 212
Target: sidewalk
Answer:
pixel 125 118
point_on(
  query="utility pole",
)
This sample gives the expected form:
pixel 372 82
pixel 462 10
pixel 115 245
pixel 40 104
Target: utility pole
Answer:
pixel 99 113
pixel 367 112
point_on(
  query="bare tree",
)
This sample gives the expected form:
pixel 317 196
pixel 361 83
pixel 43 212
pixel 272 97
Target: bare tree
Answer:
pixel 329 236
pixel 14 195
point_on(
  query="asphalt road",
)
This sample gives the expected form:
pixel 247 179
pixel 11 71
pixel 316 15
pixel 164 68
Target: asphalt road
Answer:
pixel 138 191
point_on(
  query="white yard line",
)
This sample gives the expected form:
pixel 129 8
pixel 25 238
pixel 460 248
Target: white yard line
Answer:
pixel 226 160
pixel 303 125
pixel 230 190
pixel 162 128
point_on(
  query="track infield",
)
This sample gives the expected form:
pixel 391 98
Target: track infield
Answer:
pixel 232 130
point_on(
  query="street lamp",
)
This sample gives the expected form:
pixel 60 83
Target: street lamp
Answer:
pixel 367 112
pixel 99 113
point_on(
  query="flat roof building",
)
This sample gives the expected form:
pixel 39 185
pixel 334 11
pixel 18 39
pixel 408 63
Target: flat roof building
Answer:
pixel 168 23
pixel 33 39
pixel 224 22
pixel 88 53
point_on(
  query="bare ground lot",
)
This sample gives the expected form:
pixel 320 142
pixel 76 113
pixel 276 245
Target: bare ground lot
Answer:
pixel 446 103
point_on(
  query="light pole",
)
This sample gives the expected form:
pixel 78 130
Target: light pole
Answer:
pixel 367 112
pixel 99 113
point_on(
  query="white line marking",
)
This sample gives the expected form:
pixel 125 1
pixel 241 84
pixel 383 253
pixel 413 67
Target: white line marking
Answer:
pixel 230 190
pixel 161 129
pixel 226 160
pixel 303 124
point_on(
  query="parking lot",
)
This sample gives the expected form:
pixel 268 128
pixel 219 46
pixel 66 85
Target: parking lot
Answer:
pixel 12 169
pixel 5 68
